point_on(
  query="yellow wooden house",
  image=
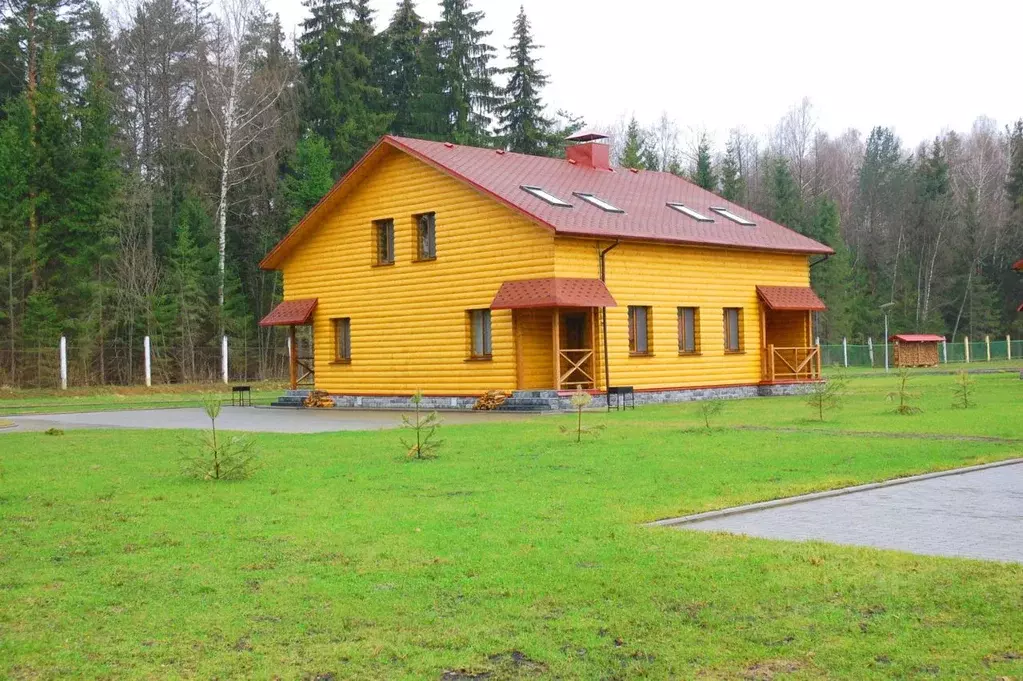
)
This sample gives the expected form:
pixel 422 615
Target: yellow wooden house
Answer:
pixel 456 270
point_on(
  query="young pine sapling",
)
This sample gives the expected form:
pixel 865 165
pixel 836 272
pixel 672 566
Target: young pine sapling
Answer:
pixel 826 395
pixel 424 428
pixel 710 409
pixel 220 457
pixel 580 400
pixel 963 390
pixel 903 394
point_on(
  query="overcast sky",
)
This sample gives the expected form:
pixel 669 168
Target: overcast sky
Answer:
pixel 917 66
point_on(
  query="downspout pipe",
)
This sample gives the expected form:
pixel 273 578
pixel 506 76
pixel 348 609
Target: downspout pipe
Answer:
pixel 824 259
pixel 603 321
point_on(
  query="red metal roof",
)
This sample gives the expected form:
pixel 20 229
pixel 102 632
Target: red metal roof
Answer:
pixel 290 313
pixel 552 292
pixel 917 338
pixel 790 298
pixel 1018 265
pixel 642 195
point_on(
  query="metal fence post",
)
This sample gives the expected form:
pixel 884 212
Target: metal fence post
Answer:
pixel 148 363
pixel 1008 347
pixel 987 342
pixel 870 350
pixel 223 357
pixel 845 352
pixel 944 349
pixel 966 348
pixel 63 363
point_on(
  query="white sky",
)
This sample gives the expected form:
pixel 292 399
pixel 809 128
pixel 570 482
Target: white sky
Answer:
pixel 919 66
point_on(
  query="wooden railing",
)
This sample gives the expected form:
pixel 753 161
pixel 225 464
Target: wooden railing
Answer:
pixel 306 372
pixel 791 364
pixel 579 374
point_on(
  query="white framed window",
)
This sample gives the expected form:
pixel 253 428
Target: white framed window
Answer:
pixel 686 210
pixel 725 213
pixel 598 202
pixel 544 195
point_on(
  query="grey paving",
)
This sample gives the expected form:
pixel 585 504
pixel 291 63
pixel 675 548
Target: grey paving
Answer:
pixel 978 514
pixel 251 419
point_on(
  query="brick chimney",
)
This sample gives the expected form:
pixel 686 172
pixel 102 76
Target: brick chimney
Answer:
pixel 589 149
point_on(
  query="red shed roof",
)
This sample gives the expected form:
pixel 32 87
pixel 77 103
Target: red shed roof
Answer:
pixel 790 298
pixel 642 197
pixel 917 338
pixel 290 313
pixel 1018 265
pixel 552 292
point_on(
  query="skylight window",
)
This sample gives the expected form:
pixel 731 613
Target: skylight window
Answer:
pixel 686 210
pixel 724 212
pixel 599 203
pixel 539 193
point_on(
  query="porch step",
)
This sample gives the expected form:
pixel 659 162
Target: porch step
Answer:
pixel 291 399
pixel 532 400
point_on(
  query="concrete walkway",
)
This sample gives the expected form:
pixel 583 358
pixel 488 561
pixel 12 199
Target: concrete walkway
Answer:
pixel 251 419
pixel 976 514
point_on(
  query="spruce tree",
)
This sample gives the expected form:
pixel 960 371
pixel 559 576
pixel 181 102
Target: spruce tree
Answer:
pixel 832 279
pixel 460 73
pixel 704 174
pixel 786 206
pixel 522 126
pixel 733 185
pixel 1014 181
pixel 309 176
pixel 634 147
pixel 402 70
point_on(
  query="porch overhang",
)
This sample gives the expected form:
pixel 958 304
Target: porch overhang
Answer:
pixel 793 298
pixel 552 292
pixel 291 313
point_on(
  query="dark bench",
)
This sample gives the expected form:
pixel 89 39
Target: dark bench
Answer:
pixel 624 395
pixel 241 396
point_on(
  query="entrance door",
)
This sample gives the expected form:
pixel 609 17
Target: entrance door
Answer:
pixel 576 351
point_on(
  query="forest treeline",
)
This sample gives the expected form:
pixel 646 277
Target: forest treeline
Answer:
pixel 150 157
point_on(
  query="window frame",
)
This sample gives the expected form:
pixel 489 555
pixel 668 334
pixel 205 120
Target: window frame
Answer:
pixel 682 330
pixel 739 345
pixel 381 228
pixel 342 328
pixel 598 202
pixel 420 256
pixel 647 331
pixel 689 212
pixel 544 195
pixel 729 215
pixel 487 339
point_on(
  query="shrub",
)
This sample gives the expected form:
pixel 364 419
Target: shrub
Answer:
pixel 710 409
pixel 903 395
pixel 963 390
pixel 826 395
pixel 580 400
pixel 425 430
pixel 220 458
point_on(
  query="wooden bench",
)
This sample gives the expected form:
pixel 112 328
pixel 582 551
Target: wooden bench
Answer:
pixel 241 396
pixel 625 396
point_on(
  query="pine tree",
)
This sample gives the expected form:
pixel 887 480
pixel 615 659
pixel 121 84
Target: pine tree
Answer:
pixel 309 177
pixel 832 279
pixel 733 184
pixel 786 207
pixel 186 309
pixel 402 69
pixel 1014 181
pixel 704 174
pixel 632 150
pixel 344 105
pixel 522 126
pixel 460 72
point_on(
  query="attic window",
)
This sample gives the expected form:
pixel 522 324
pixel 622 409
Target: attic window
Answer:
pixel 545 196
pixel 599 203
pixel 724 212
pixel 686 210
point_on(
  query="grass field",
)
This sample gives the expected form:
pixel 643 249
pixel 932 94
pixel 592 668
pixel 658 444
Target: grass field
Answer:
pixel 516 554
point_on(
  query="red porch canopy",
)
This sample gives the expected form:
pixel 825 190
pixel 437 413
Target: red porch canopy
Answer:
pixel 552 292
pixel 290 313
pixel 790 298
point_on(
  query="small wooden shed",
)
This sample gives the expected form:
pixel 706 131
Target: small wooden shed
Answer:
pixel 916 349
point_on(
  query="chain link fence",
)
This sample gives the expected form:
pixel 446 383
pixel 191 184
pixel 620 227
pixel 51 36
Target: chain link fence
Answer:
pixel 972 351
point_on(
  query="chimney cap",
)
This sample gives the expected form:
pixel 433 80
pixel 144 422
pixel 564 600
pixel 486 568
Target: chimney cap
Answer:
pixel 586 136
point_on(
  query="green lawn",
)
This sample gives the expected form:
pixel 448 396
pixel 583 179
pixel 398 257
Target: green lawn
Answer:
pixel 98 398
pixel 516 553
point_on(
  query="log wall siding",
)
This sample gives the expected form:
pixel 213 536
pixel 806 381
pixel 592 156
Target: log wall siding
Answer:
pixel 408 320
pixel 665 277
pixel 788 329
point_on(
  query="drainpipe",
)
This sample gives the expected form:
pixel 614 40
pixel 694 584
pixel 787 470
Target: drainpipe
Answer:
pixel 603 321
pixel 824 259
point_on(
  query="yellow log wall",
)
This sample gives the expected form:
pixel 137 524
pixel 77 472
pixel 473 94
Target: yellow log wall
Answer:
pixel 788 329
pixel 666 277
pixel 408 326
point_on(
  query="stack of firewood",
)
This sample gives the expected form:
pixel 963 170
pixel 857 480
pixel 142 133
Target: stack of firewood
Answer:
pixel 319 399
pixel 491 400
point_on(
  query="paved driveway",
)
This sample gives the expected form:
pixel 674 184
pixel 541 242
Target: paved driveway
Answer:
pixel 978 514
pixel 252 419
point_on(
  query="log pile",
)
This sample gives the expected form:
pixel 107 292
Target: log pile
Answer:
pixel 491 400
pixel 319 399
